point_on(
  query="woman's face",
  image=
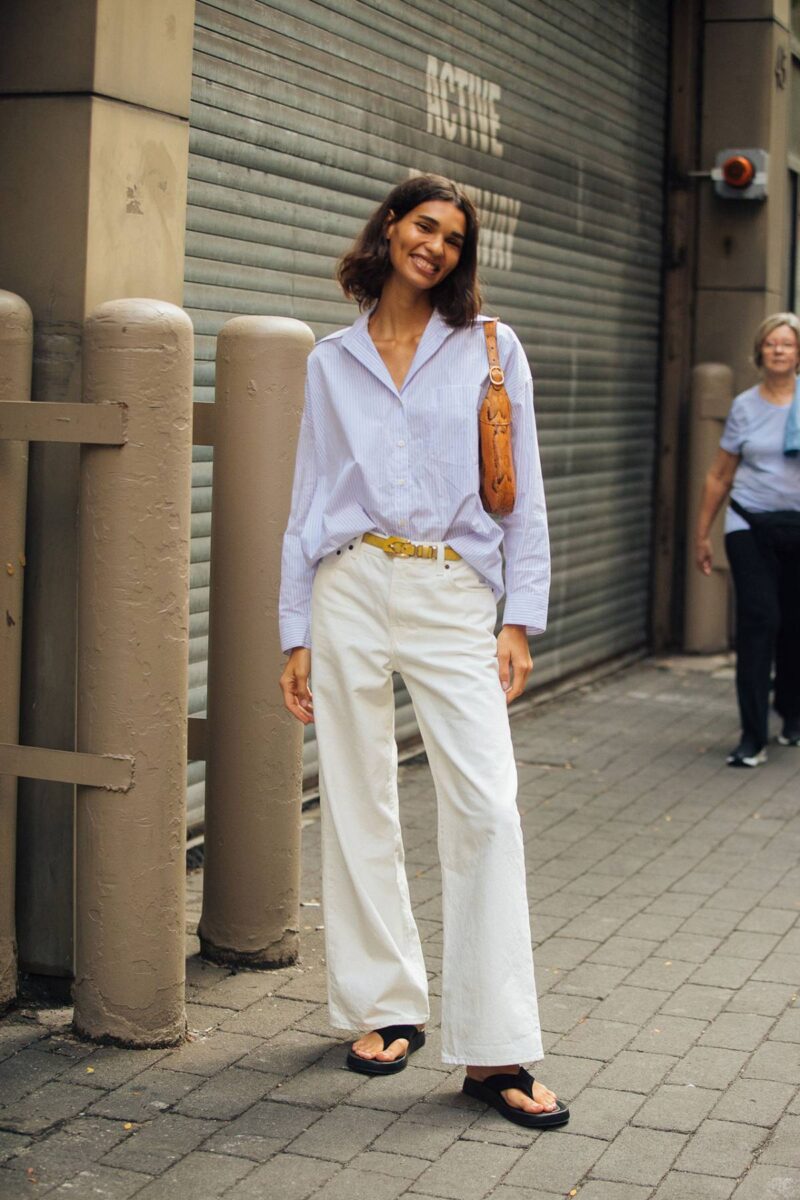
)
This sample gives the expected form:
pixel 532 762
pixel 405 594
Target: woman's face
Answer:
pixel 425 245
pixel 779 350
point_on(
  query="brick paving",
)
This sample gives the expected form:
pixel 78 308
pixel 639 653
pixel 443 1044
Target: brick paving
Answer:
pixel 665 892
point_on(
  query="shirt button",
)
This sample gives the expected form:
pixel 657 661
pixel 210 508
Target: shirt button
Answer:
pixel 401 442
pixel 401 483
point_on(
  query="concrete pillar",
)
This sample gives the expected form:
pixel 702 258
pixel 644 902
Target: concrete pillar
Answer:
pixel 743 246
pixel 254 769
pixel 707 605
pixel 133 675
pixel 94 147
pixel 16 345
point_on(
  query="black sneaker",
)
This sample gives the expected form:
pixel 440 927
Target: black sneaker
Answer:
pixel 790 735
pixel 747 754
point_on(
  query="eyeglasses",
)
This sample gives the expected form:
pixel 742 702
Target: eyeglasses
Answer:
pixel 779 346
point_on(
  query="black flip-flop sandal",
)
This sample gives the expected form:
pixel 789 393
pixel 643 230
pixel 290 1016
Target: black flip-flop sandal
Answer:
pixel 490 1091
pixel 390 1033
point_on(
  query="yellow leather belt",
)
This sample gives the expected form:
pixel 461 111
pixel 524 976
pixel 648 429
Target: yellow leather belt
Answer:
pixel 403 548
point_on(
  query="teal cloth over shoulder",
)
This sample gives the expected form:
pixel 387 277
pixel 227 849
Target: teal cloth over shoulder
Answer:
pixel 791 441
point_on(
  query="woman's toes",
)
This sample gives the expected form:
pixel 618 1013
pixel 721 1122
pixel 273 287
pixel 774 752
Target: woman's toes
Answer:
pixel 393 1050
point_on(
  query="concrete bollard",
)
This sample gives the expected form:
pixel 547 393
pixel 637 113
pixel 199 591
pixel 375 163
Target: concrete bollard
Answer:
pixel 16 347
pixel 253 771
pixel 706 625
pixel 133 638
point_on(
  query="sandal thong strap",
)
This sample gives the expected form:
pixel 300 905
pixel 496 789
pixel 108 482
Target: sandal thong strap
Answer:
pixel 391 1033
pixel 499 1083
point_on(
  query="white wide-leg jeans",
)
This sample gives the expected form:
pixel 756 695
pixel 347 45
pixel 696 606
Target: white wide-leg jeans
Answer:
pixel 433 622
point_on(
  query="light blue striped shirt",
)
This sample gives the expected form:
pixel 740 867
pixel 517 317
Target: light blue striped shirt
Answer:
pixel 374 458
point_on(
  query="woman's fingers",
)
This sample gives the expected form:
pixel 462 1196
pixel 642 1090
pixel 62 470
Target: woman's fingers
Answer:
pixel 297 696
pixel 514 661
pixel 703 556
pixel 521 665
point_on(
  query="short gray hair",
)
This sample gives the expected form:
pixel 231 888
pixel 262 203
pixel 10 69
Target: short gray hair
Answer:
pixel 768 326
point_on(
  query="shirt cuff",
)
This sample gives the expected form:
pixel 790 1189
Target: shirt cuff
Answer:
pixel 295 631
pixel 528 611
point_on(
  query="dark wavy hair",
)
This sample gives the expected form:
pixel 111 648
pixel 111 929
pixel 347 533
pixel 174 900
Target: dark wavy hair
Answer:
pixel 364 269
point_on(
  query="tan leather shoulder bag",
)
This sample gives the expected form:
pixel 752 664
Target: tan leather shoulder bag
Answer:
pixel 498 484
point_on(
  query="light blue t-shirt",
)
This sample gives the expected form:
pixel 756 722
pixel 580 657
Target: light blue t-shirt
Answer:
pixel 766 480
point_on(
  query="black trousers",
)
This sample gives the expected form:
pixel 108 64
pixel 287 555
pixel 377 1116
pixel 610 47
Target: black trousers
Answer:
pixel 766 579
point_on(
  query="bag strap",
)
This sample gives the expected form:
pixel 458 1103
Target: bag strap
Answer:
pixel 496 375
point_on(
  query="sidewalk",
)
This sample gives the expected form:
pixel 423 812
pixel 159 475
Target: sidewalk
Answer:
pixel 665 891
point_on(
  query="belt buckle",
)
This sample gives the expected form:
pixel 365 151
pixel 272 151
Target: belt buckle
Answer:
pixel 401 547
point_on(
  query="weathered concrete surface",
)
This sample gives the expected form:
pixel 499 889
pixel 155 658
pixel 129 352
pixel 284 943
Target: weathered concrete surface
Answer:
pixel 665 890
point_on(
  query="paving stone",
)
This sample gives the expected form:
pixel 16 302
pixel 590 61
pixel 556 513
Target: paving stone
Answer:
pixel 110 1066
pixel 26 1071
pixel 630 1004
pixel 408 1137
pixel 606 1189
pixel 600 1112
pixel 715 922
pixel 690 947
pixel 50 1105
pixel 12 1144
pixel 209 1054
pixel 146 1094
pixel 341 1134
pixel 154 1147
pixel 741 944
pixel 468 1171
pixel 639 1156
pixel 709 1067
pixel 264 1129
pixel 788 1028
pixel 721 1148
pixel 15 1035
pixel 623 951
pixel 267 1017
pixel 69 1150
pixel 783 1147
pixel 568 1076
pixel 756 1101
pixel 737 1031
pixel 10 1186
pixel 722 972
pixel 323 1085
pixel 198 1174
pixel 663 974
pixel 226 1095
pixel 779 968
pixel 767 920
pixel 679 1107
pixel 775 1060
pixel 768 999
pixel 692 1000
pixel 654 927
pixel 596 1039
pixel 100 1183
pixel 559 1013
pixel 593 980
pixel 685 1185
pixel 769 1182
pixel 407 1089
pixel 635 1071
pixel 286 1054
pixel 556 1162
pixel 284 1177
pixel 669 1035
pixel 401 1165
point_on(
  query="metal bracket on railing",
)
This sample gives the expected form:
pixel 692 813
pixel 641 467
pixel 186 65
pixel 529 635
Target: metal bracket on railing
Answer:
pixel 113 772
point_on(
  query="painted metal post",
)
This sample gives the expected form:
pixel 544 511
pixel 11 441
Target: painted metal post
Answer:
pixel 254 771
pixel 706 625
pixel 16 349
pixel 133 638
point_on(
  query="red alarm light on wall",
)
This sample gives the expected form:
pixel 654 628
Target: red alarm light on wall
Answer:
pixel 741 174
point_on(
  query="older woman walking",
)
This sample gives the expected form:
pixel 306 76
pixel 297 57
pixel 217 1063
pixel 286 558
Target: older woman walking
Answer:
pixel 391 563
pixel 757 468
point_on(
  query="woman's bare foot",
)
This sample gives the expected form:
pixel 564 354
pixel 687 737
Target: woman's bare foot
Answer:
pixel 543 1099
pixel 370 1046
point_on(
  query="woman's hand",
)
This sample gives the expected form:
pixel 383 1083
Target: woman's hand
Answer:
pixel 513 660
pixel 703 557
pixel 294 685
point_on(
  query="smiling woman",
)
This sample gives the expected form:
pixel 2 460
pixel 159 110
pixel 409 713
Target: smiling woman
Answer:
pixel 391 563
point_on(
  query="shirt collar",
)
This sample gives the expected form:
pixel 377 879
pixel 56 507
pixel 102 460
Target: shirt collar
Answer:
pixel 358 342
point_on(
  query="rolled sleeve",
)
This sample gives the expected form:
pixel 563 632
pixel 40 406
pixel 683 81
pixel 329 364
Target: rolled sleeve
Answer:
pixel 297 573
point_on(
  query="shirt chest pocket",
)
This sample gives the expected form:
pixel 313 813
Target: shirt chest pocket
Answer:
pixel 448 425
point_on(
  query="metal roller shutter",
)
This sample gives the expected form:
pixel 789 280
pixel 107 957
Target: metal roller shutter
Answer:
pixel 304 113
